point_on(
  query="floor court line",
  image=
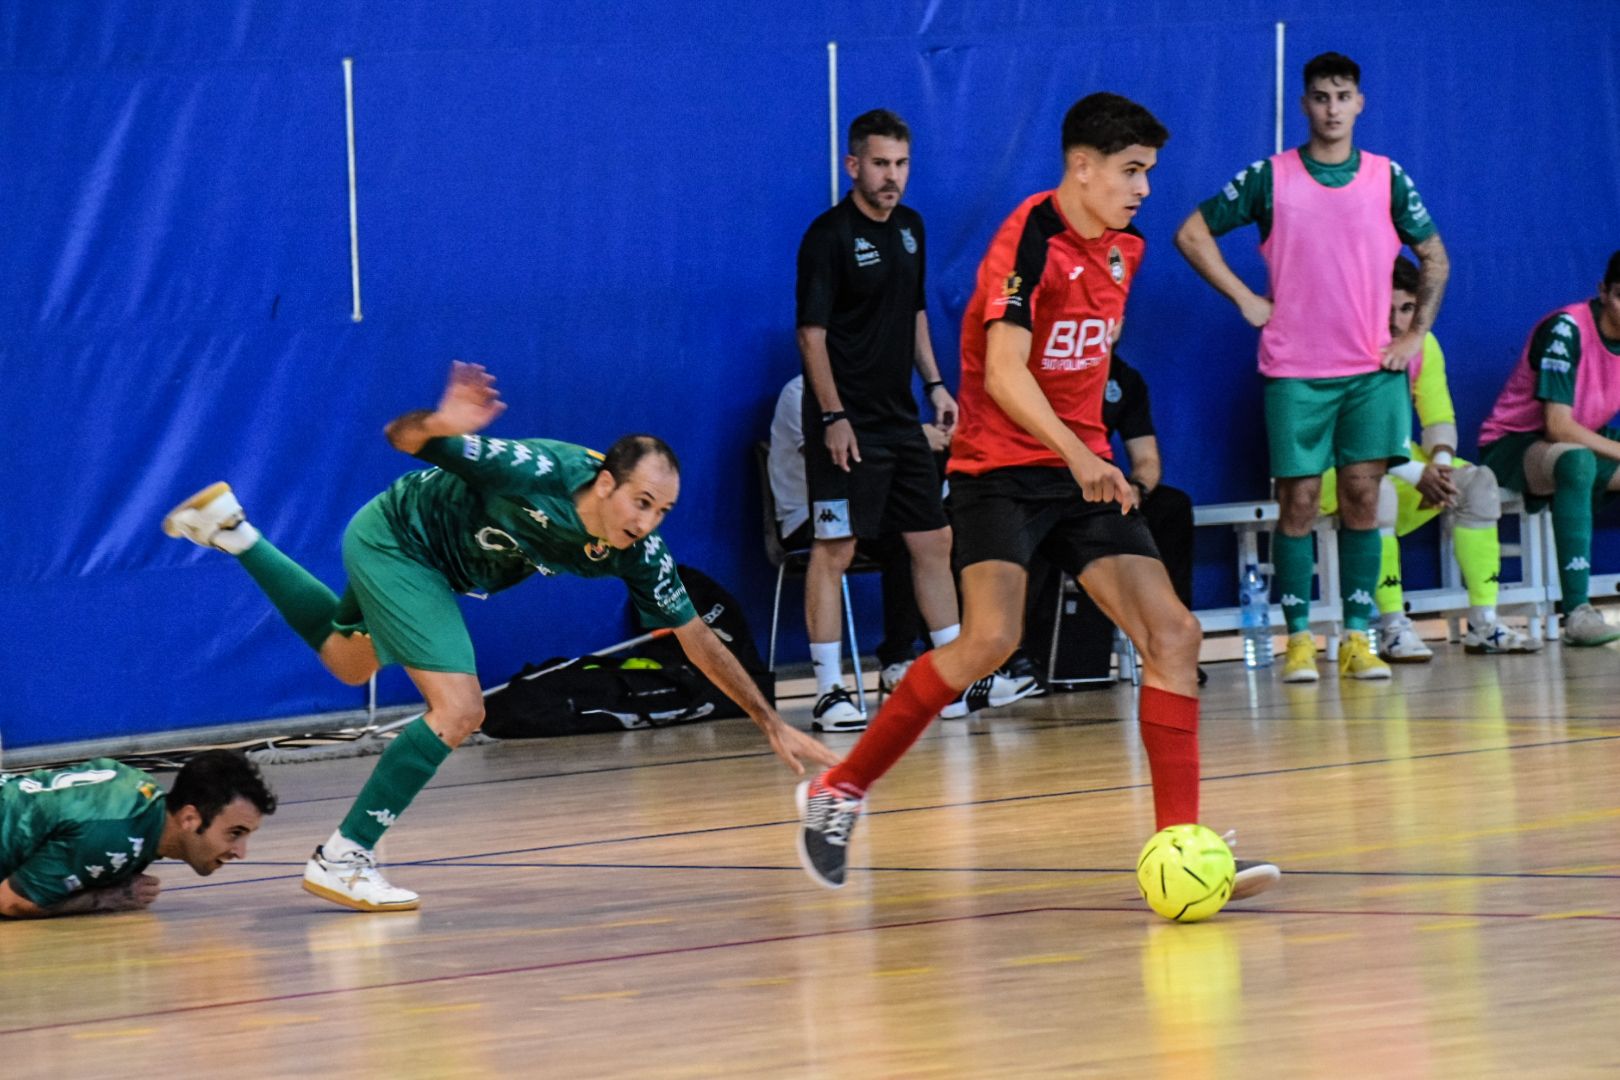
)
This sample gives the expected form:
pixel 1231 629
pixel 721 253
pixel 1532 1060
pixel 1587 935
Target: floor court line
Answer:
pixel 593 961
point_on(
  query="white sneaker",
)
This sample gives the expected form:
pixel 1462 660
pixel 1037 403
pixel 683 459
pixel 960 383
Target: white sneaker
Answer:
pixel 836 711
pixel 994 690
pixel 1495 637
pixel 1398 642
pixel 890 676
pixel 354 881
pixel 1586 626
pixel 212 518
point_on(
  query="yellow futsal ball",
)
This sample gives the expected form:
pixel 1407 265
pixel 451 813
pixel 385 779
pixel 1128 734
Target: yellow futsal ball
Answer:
pixel 1185 873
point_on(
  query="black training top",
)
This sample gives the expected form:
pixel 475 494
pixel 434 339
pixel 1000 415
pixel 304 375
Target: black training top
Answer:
pixel 863 281
pixel 1125 401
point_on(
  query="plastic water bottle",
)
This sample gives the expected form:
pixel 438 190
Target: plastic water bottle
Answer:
pixel 1254 611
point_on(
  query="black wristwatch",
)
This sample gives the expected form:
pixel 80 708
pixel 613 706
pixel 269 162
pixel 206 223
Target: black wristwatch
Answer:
pixel 928 387
pixel 830 418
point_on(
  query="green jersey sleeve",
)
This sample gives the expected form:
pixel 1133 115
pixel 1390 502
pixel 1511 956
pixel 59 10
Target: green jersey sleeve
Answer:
pixel 1412 221
pixel 1555 352
pixel 86 827
pixel 501 466
pixel 648 569
pixel 1431 394
pixel 1245 200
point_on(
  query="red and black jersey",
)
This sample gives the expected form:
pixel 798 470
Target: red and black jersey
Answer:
pixel 1069 292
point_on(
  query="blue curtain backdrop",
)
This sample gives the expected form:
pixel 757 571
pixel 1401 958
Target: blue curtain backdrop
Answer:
pixel 602 202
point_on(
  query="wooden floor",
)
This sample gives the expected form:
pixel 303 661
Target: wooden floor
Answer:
pixel 631 906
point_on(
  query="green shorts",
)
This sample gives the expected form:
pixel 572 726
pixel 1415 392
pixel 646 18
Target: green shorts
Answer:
pixel 1317 424
pixel 408 608
pixel 1505 456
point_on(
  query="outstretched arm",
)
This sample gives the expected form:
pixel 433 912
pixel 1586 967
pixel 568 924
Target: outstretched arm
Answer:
pixel 133 895
pixel 710 656
pixel 470 403
pixel 1197 244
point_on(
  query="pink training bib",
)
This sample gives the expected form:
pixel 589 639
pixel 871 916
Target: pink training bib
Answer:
pixel 1597 382
pixel 1329 254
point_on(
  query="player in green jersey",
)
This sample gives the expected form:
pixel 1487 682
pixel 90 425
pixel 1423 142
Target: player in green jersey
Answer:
pixel 492 513
pixel 79 839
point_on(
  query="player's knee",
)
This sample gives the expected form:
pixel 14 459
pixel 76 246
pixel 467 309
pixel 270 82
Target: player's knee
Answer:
pixel 1479 498
pixel 1576 468
pixel 459 720
pixel 1173 638
pixel 989 647
pixel 931 546
pixel 1298 504
pixel 835 555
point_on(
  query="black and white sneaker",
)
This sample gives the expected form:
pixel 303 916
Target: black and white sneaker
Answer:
pixel 836 711
pixel 827 817
pixel 996 689
pixel 1253 875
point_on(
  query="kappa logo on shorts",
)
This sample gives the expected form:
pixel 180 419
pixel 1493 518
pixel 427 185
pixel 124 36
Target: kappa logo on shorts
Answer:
pixel 831 519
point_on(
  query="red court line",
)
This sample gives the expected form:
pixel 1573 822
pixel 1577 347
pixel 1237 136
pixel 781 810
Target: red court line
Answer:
pixel 591 961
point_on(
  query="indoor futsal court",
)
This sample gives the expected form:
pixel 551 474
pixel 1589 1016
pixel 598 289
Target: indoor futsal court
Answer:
pixel 390 394
pixel 613 916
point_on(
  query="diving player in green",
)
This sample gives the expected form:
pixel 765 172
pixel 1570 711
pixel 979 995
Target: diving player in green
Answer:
pixel 492 513
pixel 79 839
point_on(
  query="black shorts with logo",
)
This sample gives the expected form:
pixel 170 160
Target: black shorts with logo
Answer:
pixel 1009 514
pixel 895 487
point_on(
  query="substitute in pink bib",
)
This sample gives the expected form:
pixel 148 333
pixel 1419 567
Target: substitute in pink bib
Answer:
pixel 1597 383
pixel 1328 255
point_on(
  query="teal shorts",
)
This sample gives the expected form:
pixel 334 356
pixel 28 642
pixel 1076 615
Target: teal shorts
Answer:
pixel 408 608
pixel 1317 424
pixel 1505 456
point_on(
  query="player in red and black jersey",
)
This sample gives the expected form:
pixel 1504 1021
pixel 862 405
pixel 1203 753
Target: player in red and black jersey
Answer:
pixel 1031 470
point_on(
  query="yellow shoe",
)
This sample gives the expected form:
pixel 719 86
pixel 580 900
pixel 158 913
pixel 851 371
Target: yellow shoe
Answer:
pixel 1299 662
pixel 1357 659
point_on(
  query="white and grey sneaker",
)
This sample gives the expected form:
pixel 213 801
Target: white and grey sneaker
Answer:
pixel 212 518
pixel 836 711
pixel 1398 642
pixel 1493 637
pixel 1586 626
pixel 994 690
pixel 889 678
pixel 354 881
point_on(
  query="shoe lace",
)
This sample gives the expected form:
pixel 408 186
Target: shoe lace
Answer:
pixel 833 815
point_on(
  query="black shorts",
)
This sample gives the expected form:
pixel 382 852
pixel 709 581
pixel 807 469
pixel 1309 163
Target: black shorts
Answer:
pixel 1009 514
pixel 894 488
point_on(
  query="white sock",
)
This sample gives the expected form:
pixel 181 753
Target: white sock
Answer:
pixel 826 657
pixel 945 634
pixel 1480 617
pixel 337 846
pixel 237 540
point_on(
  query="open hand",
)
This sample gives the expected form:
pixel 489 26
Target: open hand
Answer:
pixel 790 744
pixel 470 402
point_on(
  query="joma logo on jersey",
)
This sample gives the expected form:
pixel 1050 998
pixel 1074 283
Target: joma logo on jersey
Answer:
pixel 1075 346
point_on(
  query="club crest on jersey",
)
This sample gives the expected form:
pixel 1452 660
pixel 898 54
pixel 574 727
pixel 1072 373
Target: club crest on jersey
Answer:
pixel 909 241
pixel 597 550
pixel 1011 285
pixel 1112 393
pixel 1116 266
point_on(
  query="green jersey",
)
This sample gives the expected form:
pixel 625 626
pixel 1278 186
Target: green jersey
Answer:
pixel 1555 356
pixel 496 511
pixel 63 831
pixel 1246 199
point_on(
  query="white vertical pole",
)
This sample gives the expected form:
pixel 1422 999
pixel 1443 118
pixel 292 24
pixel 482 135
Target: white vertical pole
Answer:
pixel 1282 33
pixel 354 214
pixel 832 115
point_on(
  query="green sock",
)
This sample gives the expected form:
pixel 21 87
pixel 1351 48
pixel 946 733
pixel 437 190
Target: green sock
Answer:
pixel 1391 599
pixel 1574 474
pixel 1479 554
pixel 404 769
pixel 306 604
pixel 1359 555
pixel 1294 558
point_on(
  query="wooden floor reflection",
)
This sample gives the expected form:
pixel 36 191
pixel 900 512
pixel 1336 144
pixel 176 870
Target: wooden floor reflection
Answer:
pixel 630 906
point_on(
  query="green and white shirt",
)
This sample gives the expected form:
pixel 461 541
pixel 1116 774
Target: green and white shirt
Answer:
pixel 63 831
pixel 496 511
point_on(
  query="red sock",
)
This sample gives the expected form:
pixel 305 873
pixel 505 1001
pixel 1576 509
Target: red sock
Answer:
pixel 1170 733
pixel 909 710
